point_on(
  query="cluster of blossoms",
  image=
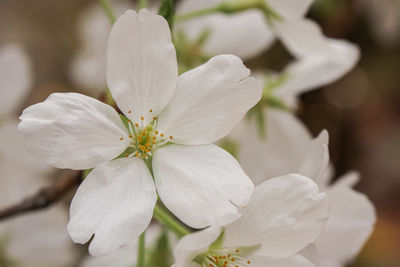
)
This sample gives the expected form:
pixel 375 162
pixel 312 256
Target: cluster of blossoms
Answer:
pixel 272 205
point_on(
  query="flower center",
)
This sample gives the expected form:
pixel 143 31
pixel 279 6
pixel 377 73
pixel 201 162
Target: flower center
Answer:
pixel 222 257
pixel 144 138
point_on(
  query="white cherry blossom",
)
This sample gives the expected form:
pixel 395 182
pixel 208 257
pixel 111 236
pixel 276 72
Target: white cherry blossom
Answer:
pixel 284 215
pixel 289 148
pixel 171 124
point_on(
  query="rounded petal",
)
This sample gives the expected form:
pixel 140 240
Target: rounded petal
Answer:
pixel 15 76
pixel 114 203
pixel 141 64
pixel 349 226
pixel 193 245
pixel 320 60
pixel 280 152
pixel 70 130
pixel 284 215
pixel 201 185
pixel 209 101
pixel 243 34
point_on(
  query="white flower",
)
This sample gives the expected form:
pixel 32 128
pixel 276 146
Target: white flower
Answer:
pixel 33 240
pixel 289 147
pixel 319 60
pixel 199 182
pixel 284 215
pixel 15 77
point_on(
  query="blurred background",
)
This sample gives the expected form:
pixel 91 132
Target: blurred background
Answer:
pixel 361 111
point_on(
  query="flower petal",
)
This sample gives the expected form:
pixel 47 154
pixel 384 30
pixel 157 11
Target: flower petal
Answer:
pixel 70 130
pixel 15 76
pixel 201 185
pixel 141 64
pixel 284 215
pixel 193 245
pixel 349 226
pixel 315 161
pixel 209 101
pixel 280 152
pixel 243 34
pixel 320 60
pixel 115 203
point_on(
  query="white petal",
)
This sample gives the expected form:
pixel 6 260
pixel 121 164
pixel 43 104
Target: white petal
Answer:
pixel 280 152
pixel 293 261
pixel 320 60
pixel 244 34
pixel 314 163
pixel 15 76
pixel 193 245
pixel 70 130
pixel 115 203
pixel 284 215
pixel 141 64
pixel 201 185
pixel 290 9
pixel 209 101
pixel 349 226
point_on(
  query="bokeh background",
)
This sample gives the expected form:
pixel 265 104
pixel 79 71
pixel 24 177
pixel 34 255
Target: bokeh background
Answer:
pixel 360 111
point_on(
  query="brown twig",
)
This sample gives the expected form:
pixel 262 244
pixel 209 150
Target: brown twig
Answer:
pixel 44 197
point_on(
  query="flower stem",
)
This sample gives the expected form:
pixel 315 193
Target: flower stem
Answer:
pixel 197 13
pixel 108 10
pixel 163 217
pixel 231 7
pixel 141 250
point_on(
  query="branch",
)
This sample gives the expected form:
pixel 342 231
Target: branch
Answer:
pixel 44 197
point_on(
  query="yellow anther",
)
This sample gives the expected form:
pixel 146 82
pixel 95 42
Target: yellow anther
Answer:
pixel 142 118
pixel 129 111
pixel 170 137
pixel 150 110
pixel 121 138
pixel 161 134
pixel 137 124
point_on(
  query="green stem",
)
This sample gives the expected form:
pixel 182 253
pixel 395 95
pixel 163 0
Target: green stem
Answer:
pixel 231 7
pixel 166 219
pixel 197 13
pixel 142 4
pixel 108 10
pixel 141 250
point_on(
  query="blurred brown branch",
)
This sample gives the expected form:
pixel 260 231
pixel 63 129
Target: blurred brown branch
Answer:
pixel 44 197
